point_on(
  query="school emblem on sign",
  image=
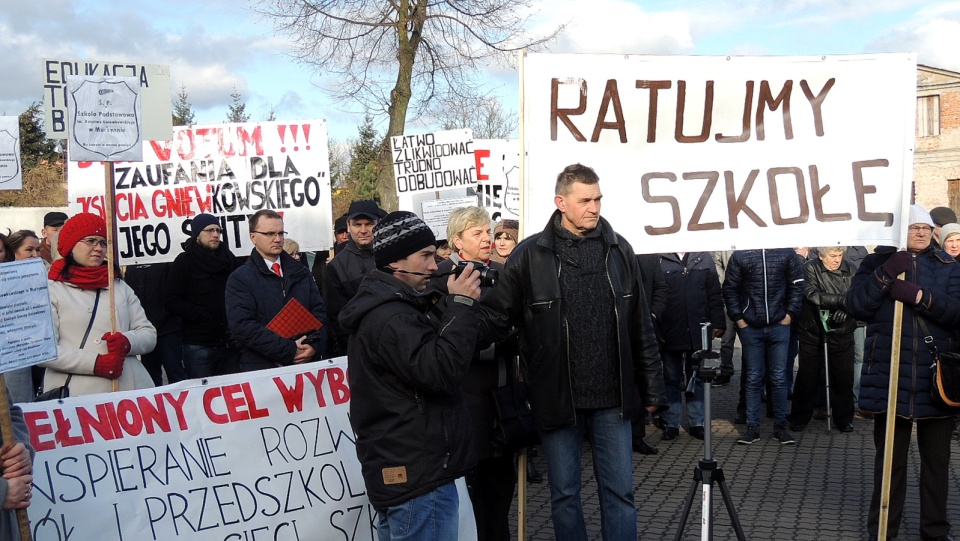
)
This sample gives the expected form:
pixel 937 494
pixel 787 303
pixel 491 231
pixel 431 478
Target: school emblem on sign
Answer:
pixel 104 114
pixel 9 153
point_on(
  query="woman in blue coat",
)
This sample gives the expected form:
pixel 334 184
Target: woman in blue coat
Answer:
pixel 930 293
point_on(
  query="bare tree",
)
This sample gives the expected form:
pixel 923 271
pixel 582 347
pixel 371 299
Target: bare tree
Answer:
pixel 482 113
pixel 389 56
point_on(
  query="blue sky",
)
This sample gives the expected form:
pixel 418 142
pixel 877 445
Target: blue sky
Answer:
pixel 213 46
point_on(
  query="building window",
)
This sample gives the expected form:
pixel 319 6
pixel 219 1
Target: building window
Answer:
pixel 928 116
pixel 953 193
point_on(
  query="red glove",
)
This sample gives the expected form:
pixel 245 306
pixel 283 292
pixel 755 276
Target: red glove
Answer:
pixel 904 292
pixel 117 343
pixel 897 263
pixel 108 365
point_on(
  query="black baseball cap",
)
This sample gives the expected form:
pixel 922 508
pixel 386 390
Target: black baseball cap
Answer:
pixel 365 208
pixel 55 219
pixel 340 225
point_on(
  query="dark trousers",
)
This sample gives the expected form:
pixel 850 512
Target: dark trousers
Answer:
pixel 807 385
pixel 166 356
pixel 491 493
pixel 933 441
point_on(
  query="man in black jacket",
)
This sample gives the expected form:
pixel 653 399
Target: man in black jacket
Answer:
pixel 586 339
pixel 347 269
pixel 763 293
pixel 407 360
pixel 195 291
pixel 260 289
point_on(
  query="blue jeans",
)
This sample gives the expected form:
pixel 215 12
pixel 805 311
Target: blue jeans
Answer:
pixel 677 369
pixel 208 361
pixel 434 516
pixel 765 349
pixel 612 465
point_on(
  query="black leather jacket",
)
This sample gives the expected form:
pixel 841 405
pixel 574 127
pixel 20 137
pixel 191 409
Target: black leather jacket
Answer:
pixel 529 297
pixel 825 290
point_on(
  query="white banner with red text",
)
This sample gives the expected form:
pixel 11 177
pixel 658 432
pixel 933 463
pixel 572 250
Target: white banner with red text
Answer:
pixel 228 170
pixel 711 153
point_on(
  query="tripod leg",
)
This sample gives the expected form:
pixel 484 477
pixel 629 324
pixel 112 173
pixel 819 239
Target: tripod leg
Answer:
pixel 826 368
pixel 731 510
pixel 687 504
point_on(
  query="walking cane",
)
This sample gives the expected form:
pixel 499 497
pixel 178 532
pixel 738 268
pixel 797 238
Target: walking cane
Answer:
pixel 824 315
pixel 889 434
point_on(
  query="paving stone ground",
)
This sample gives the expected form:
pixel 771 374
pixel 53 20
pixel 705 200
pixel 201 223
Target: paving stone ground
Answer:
pixel 818 489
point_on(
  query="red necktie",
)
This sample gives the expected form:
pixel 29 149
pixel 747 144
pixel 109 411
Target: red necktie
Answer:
pixel 276 269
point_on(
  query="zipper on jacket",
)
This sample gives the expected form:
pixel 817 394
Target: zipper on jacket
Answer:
pixel 616 322
pixel 416 396
pixel 766 302
pixel 916 346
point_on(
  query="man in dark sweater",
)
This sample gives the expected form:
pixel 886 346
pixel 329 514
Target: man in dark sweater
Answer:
pixel 586 339
pixel 195 292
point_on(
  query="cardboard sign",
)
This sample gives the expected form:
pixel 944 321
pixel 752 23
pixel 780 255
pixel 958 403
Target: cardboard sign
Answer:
pixel 432 162
pixel 153 79
pixel 711 153
pixel 228 170
pixel 436 214
pixel 11 170
pixel 26 326
pixel 104 118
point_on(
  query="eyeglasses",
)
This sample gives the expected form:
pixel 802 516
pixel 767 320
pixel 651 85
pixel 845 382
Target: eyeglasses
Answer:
pixel 94 242
pixel 216 230
pixel 920 229
pixel 272 234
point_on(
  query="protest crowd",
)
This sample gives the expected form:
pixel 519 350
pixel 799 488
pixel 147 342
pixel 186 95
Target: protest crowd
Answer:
pixel 601 340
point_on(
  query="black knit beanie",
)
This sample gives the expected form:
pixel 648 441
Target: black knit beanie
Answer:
pixel 398 235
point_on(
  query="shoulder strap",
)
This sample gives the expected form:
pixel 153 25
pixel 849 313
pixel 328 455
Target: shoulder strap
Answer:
pixel 927 337
pixel 86 334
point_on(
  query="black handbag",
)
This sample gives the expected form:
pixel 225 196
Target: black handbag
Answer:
pixel 514 428
pixel 63 391
pixel 945 374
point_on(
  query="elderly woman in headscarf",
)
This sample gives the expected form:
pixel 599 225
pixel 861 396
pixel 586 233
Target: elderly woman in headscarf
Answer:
pixel 89 356
pixel 930 293
pixel 505 236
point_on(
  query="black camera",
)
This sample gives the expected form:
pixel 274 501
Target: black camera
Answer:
pixel 488 276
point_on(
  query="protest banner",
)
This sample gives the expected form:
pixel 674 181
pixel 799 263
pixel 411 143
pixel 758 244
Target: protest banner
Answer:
pixel 265 455
pixel 228 170
pixel 11 170
pixel 154 81
pixel 26 327
pixel 498 176
pixel 436 213
pixel 103 115
pixel 432 162
pixel 709 153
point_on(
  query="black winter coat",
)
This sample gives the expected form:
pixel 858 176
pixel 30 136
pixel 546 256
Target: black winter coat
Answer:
pixel 196 289
pixel 693 297
pixel 407 365
pixel 255 295
pixel 825 290
pixel 529 298
pixel 762 286
pixel 938 276
pixel 342 278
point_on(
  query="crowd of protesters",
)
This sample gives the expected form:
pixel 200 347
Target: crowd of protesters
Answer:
pixel 605 341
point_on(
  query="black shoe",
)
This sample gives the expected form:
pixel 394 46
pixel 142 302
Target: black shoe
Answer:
pixel 644 449
pixel 845 428
pixel 797 427
pixel 533 476
pixel 721 381
pixel 751 435
pixel 784 437
pixel 741 418
pixel 696 432
pixel 670 433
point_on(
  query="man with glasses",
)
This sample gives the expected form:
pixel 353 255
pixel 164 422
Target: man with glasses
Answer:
pixel 260 289
pixel 196 289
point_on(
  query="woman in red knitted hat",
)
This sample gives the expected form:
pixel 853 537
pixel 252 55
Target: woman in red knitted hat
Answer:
pixel 89 355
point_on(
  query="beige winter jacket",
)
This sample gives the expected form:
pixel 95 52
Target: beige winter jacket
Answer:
pixel 71 307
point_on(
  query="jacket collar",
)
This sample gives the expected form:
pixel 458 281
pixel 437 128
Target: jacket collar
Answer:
pixel 286 263
pixel 548 238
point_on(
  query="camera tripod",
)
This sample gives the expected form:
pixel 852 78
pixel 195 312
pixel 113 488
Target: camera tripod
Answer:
pixel 708 471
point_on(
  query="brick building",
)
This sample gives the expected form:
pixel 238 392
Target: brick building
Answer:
pixel 936 161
